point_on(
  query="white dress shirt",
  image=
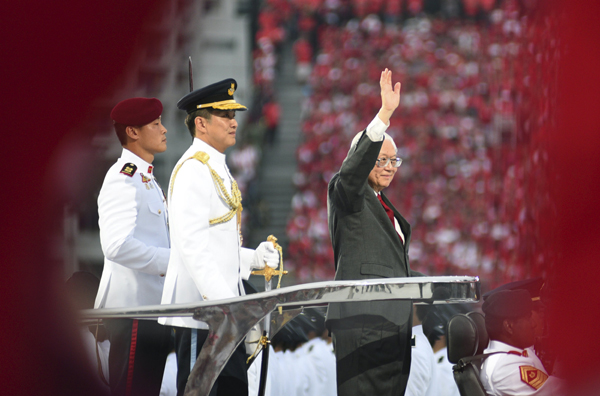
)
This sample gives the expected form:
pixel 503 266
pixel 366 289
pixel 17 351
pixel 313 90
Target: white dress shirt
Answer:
pixel 396 224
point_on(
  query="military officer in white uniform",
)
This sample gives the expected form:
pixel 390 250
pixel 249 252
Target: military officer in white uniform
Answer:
pixel 514 369
pixel 134 236
pixel 207 259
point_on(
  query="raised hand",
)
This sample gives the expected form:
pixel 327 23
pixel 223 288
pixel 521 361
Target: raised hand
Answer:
pixel 390 96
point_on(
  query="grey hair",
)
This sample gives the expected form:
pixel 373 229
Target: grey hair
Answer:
pixel 386 136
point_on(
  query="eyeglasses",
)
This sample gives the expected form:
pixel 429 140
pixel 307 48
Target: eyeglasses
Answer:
pixel 383 162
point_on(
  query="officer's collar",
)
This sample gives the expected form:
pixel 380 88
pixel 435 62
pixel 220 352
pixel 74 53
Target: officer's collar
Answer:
pixel 213 153
pixel 143 166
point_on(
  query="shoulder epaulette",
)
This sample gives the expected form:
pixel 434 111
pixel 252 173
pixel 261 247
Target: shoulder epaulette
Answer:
pixel 202 157
pixel 533 377
pixel 129 169
pixel 199 155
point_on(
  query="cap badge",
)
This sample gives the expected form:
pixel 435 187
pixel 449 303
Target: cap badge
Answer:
pixel 231 90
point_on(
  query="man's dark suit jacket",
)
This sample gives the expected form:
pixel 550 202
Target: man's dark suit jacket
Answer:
pixel 365 242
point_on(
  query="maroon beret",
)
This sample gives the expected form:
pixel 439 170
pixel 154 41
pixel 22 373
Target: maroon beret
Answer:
pixel 136 111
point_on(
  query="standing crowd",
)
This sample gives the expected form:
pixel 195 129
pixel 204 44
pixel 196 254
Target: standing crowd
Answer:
pixel 471 101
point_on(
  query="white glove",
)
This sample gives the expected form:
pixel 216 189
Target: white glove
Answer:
pixel 265 253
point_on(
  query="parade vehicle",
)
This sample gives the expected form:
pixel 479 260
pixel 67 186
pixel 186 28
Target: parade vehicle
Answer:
pixel 230 320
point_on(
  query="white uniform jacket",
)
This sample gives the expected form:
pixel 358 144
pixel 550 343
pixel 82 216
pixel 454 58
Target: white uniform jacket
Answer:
pixel 134 235
pixel 443 374
pixel 518 372
pixel 421 366
pixel 207 261
pixel 319 355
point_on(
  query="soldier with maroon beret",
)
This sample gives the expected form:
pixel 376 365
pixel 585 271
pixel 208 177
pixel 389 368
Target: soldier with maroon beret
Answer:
pixel 134 235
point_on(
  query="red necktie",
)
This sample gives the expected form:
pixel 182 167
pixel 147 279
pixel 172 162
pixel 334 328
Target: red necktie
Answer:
pixel 389 213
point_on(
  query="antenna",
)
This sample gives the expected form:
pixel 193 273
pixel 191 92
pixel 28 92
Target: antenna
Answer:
pixel 191 74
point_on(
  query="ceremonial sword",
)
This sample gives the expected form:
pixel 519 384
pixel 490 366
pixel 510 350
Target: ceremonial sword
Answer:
pixel 268 273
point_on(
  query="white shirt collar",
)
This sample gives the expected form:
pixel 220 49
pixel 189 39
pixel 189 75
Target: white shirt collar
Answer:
pixel 213 153
pixel 143 166
pixel 496 345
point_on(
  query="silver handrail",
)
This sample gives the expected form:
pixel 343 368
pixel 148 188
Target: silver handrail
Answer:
pixel 229 320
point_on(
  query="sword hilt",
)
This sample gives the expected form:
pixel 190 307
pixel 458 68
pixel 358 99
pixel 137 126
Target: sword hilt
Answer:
pixel 272 239
pixel 269 272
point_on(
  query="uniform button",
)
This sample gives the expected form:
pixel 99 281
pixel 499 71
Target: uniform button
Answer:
pixel 162 275
pixel 204 297
pixel 159 211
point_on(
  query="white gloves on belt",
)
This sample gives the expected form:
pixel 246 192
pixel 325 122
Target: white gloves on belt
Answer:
pixel 265 253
